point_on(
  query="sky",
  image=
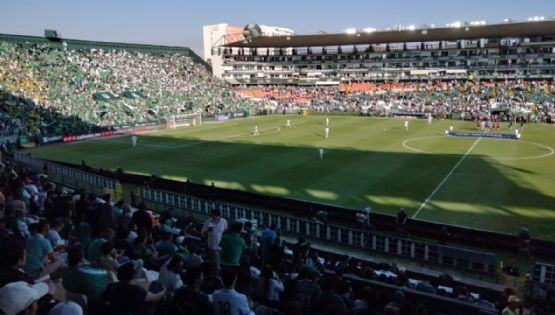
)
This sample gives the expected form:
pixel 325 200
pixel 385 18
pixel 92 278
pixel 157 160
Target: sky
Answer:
pixel 179 23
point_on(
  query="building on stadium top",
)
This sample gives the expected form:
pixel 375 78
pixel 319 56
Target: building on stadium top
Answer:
pixel 460 50
pixel 218 35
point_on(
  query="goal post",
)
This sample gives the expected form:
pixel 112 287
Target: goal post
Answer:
pixel 184 120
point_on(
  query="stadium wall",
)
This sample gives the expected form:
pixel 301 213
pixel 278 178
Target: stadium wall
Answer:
pixel 335 215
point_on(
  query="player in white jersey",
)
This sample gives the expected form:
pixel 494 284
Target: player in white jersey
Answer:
pixel 255 131
pixel 451 128
pixel 134 140
pixel 227 301
pixel 406 124
pixel 321 151
pixel 326 132
pixel 327 121
pixel 430 118
pixel 288 124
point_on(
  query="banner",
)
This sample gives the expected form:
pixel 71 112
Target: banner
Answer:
pixel 221 117
pixel 484 135
pixel 87 136
pixel 51 139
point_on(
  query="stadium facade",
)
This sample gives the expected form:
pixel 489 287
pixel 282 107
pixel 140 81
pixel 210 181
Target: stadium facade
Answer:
pixel 510 50
pixel 217 35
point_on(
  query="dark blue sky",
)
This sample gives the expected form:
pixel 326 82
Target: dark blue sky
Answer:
pixel 180 23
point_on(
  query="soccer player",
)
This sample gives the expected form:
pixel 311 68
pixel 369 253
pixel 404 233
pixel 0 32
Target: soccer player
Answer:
pixel 327 121
pixel 406 125
pixel 288 124
pixel 450 128
pixel 255 131
pixel 134 140
pixel 430 118
pixel 321 150
pixel 326 132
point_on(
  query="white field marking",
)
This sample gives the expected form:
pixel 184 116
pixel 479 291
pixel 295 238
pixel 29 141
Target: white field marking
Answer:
pixel 445 178
pixel 533 157
pixel 416 139
pixel 188 144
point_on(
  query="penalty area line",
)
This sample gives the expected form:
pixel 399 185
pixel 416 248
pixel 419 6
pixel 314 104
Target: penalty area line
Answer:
pixel 423 205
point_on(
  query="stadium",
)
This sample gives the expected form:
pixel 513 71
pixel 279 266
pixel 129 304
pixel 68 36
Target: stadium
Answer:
pixel 406 170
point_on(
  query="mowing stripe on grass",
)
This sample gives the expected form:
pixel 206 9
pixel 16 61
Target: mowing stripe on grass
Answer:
pixel 423 205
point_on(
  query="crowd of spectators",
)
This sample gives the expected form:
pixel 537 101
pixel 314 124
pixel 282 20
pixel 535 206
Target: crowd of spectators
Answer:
pixel 57 84
pixel 452 99
pixel 72 252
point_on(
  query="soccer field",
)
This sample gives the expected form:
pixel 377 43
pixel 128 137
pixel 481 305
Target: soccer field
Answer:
pixel 490 184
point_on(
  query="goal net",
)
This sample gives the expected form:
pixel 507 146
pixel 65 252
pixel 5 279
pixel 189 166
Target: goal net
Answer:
pixel 184 120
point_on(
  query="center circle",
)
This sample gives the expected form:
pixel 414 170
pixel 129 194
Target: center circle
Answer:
pixel 532 150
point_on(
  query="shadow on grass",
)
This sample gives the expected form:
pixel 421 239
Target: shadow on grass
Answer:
pixel 344 177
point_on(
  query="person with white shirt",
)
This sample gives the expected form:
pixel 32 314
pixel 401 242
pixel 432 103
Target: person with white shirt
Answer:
pixel 213 229
pixel 170 274
pixel 53 234
pixel 326 132
pixel 271 284
pixel 134 140
pixel 21 224
pixel 227 301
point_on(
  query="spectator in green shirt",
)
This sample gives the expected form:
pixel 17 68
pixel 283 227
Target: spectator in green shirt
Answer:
pixel 95 250
pixel 166 247
pixel 81 278
pixel 233 245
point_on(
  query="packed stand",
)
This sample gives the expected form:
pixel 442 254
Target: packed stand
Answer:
pixel 71 252
pixel 452 99
pixel 106 87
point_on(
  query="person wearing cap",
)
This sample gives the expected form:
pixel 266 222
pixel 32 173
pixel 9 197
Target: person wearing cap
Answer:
pixel 514 307
pixel 66 308
pixel 20 298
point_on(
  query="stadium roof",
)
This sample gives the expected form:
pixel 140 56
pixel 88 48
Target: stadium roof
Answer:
pixel 522 29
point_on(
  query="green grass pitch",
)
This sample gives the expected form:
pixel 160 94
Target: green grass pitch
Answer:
pixel 490 184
